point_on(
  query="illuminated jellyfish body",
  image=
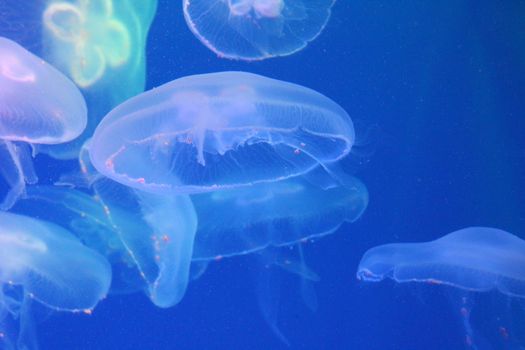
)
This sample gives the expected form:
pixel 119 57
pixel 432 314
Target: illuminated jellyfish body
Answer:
pixel 262 218
pixel 100 45
pixel 147 238
pixel 256 29
pixel 38 105
pixel 475 258
pixel 43 262
pixel 248 219
pixel 216 131
pixel 471 261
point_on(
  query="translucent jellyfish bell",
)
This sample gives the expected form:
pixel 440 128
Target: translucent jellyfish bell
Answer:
pixel 256 29
pixel 53 267
pixel 38 105
pixel 248 219
pixel 475 259
pixel 100 45
pixel 215 131
pixel 41 261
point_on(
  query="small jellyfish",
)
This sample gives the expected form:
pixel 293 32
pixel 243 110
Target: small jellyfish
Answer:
pixel 256 29
pixel 38 106
pixel 216 131
pixel 248 219
pixel 475 259
pixel 45 263
pixel 468 261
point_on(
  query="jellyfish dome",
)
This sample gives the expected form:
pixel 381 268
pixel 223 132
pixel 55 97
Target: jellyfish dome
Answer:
pixel 51 265
pixel 248 219
pixel 216 131
pixel 475 259
pixel 38 105
pixel 256 29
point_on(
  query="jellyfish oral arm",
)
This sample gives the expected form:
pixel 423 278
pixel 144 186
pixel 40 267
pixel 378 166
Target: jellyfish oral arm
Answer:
pixel 17 170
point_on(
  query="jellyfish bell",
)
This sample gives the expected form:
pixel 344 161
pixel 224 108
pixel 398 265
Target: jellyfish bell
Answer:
pixel 256 29
pixel 471 263
pixel 475 258
pixel 249 219
pixel 216 131
pixel 38 106
pixel 101 45
pixel 43 262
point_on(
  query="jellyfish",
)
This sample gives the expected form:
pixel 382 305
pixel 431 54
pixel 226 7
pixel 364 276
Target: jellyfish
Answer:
pixel 98 44
pixel 248 219
pixel 43 262
pixel 256 29
pixel 148 238
pixel 262 219
pixel 473 259
pixel 38 106
pixel 217 131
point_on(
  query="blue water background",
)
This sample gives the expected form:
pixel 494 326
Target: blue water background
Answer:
pixel 437 92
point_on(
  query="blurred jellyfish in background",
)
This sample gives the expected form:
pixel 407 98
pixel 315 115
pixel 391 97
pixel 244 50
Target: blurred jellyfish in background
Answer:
pixel 38 106
pixel 248 219
pixel 259 218
pixel 147 238
pixel 217 131
pixel 45 263
pixel 474 259
pixel 100 44
pixel 256 29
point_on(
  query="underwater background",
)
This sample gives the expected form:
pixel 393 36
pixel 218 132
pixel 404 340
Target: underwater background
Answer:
pixel 437 95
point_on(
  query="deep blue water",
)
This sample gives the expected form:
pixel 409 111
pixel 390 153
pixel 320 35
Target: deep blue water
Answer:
pixel 437 92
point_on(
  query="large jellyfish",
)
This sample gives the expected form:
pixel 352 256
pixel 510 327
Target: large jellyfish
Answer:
pixel 215 131
pixel 99 44
pixel 256 29
pixel 248 219
pixel 472 260
pixel 43 262
pixel 148 238
pixel 38 105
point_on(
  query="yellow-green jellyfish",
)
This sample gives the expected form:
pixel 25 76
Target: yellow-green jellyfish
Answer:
pixel 100 45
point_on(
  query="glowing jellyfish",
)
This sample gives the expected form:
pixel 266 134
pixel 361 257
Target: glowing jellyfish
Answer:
pixel 256 29
pixel 43 262
pixel 216 131
pixel 100 44
pixel 38 105
pixel 248 219
pixel 475 258
pixel 148 238
pixel 471 261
